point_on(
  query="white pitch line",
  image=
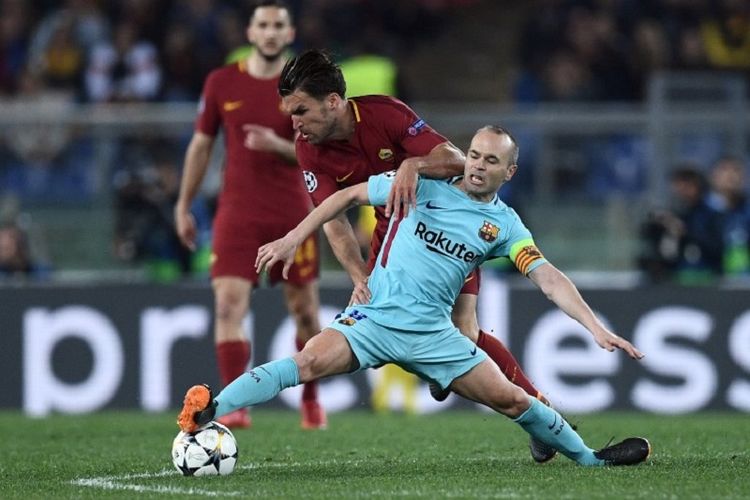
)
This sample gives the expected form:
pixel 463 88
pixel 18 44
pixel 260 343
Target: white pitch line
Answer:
pixel 119 482
pixel 107 484
pixel 142 475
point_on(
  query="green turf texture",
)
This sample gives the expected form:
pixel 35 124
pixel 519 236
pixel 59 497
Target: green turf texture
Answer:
pixel 454 454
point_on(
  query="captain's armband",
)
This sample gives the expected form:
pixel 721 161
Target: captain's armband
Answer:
pixel 526 256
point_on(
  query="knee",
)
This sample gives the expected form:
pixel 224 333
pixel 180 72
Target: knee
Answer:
pixel 229 306
pixel 518 402
pixel 305 317
pixel 308 365
pixel 512 401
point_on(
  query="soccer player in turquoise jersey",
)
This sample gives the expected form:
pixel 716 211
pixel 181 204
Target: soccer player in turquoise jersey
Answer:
pixel 420 268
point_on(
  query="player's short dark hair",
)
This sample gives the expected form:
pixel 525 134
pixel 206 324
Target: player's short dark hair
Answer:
pixel 314 73
pixel 279 4
pixel 503 131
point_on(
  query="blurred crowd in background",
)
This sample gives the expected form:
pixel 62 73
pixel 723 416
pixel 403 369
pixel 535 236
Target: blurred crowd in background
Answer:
pixel 149 50
pixel 121 51
pixel 135 50
pixel 606 50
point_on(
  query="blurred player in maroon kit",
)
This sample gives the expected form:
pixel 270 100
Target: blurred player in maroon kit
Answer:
pixel 263 196
pixel 341 143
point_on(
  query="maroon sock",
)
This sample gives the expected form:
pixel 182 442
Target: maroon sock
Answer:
pixel 500 354
pixel 233 358
pixel 310 389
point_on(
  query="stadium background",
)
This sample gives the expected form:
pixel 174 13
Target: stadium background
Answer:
pixel 605 98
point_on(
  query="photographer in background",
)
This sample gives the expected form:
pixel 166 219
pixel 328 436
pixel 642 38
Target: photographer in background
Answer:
pixel 144 225
pixel 16 260
pixel 684 243
pixel 728 188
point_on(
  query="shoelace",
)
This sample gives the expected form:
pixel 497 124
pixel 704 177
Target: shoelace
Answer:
pixel 608 443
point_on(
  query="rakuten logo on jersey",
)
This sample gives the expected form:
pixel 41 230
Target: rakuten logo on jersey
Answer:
pixel 438 242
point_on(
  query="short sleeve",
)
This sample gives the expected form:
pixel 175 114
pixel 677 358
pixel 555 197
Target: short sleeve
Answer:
pixel 413 133
pixel 378 187
pixel 209 116
pixel 319 184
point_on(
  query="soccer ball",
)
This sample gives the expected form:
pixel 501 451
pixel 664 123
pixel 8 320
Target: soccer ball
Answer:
pixel 209 451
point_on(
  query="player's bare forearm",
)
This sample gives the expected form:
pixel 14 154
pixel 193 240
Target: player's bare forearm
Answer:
pixel 196 164
pixel 194 170
pixel 346 248
pixel 287 151
pixel 261 138
pixel 444 161
pixel 283 250
pixel 560 290
pixel 332 207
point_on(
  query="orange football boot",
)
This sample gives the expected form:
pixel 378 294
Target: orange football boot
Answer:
pixel 193 415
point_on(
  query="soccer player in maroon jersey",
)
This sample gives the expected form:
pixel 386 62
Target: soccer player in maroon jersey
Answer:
pixel 341 143
pixel 261 175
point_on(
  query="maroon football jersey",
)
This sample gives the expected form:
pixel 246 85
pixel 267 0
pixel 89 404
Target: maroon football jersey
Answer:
pixel 386 132
pixel 256 184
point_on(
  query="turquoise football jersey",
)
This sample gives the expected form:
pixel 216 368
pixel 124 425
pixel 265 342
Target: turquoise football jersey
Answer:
pixel 426 256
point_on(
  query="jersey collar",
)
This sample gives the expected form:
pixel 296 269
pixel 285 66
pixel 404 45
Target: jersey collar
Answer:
pixel 355 108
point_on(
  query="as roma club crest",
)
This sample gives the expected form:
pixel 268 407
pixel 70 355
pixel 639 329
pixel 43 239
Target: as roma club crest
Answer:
pixel 385 154
pixel 488 232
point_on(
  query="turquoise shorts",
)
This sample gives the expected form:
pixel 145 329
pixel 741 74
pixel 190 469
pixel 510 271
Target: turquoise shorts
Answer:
pixel 440 356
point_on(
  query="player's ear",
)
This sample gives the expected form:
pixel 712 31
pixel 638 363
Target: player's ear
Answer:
pixel 332 100
pixel 511 172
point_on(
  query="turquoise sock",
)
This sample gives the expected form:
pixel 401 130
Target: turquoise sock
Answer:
pixel 546 425
pixel 257 386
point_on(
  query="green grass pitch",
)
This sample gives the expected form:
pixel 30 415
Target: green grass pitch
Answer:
pixel 455 454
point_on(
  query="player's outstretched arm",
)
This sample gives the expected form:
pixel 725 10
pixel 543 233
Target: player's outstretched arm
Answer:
pixel 196 163
pixel 443 161
pixel 283 250
pixel 560 290
pixel 346 248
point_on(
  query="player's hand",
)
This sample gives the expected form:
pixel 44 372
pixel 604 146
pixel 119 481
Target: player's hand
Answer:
pixel 403 193
pixel 185 226
pixel 361 293
pixel 282 250
pixel 260 138
pixel 609 341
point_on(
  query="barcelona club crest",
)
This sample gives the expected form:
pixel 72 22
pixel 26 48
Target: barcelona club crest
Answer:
pixel 351 319
pixel 488 232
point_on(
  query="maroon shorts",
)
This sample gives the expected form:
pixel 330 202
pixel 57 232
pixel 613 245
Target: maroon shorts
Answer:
pixel 234 252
